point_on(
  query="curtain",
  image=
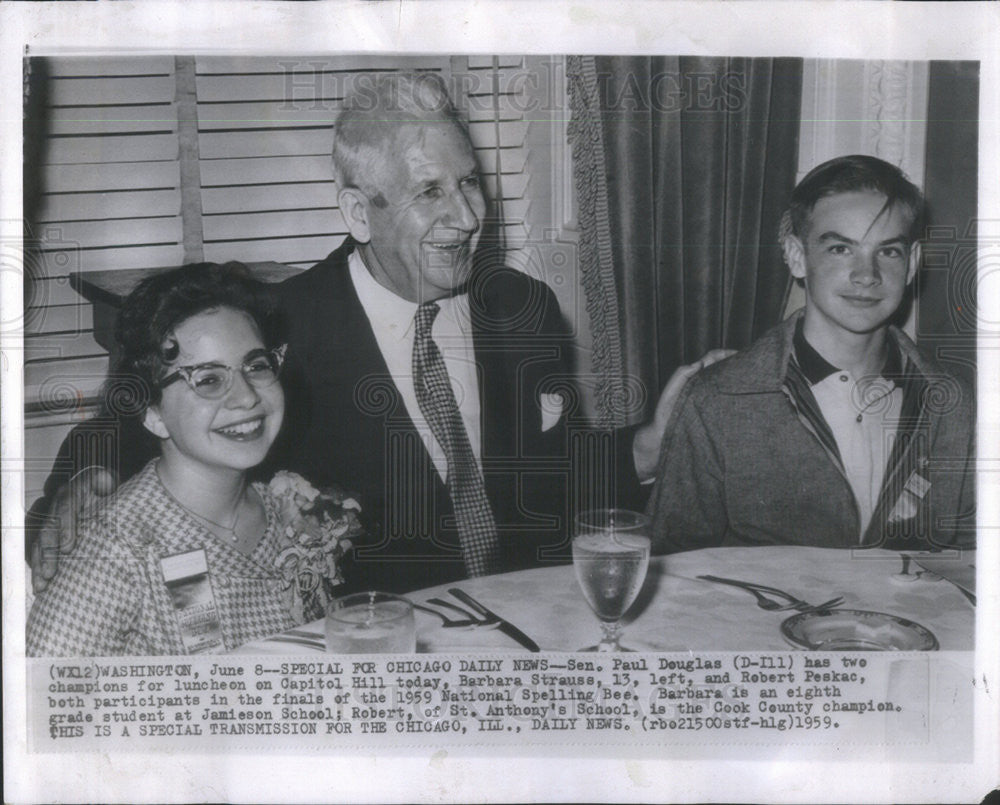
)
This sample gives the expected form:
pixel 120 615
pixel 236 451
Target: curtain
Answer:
pixel 948 279
pixel 35 127
pixel 683 167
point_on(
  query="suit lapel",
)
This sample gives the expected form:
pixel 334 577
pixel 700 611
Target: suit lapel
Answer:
pixel 908 456
pixel 490 372
pixel 414 496
pixel 347 329
pixel 343 366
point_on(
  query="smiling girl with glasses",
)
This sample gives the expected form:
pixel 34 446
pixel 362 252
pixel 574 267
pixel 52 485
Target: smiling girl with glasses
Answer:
pixel 187 556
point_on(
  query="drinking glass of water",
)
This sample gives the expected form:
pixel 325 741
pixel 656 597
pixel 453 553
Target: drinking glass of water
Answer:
pixel 610 556
pixel 371 623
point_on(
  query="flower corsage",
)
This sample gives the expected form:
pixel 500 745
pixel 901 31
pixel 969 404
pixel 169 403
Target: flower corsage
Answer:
pixel 317 526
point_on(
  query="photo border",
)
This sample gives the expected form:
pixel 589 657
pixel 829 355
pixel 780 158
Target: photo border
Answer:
pixel 848 30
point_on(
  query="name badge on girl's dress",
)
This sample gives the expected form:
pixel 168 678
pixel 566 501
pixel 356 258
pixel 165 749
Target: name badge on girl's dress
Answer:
pixel 186 575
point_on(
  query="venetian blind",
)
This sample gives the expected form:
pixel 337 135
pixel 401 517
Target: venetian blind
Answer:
pixel 109 198
pixel 264 147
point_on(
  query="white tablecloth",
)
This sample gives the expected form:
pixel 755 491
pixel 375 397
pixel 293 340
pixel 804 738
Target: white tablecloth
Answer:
pixel 676 611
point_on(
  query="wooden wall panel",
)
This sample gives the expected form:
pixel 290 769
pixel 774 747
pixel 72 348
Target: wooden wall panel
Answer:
pixel 109 204
pixel 83 66
pixel 250 226
pixel 307 63
pixel 101 89
pixel 102 121
pixel 63 319
pixel 258 198
pixel 244 172
pixel 68 345
pixel 263 114
pixel 114 148
pixel 297 251
pixel 107 177
pixel 112 257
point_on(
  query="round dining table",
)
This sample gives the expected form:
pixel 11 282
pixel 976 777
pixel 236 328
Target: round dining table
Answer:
pixel 676 611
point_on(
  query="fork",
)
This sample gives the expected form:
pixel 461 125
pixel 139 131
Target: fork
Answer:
pixel 833 602
pixel 756 590
pixel 472 618
pixel 750 585
pixel 446 622
pixel 770 604
pixel 766 603
pixel 801 606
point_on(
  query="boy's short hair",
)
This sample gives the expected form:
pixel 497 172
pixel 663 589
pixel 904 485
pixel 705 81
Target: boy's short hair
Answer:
pixel 373 112
pixel 850 174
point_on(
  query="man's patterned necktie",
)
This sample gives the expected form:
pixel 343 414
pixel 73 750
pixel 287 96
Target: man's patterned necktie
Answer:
pixel 476 526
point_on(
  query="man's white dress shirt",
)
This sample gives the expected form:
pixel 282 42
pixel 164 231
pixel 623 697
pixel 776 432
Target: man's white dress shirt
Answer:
pixel 391 319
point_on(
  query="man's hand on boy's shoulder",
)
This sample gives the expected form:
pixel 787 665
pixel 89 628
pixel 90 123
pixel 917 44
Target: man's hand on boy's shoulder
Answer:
pixel 646 445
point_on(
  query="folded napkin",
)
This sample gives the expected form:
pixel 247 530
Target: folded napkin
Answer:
pixel 959 570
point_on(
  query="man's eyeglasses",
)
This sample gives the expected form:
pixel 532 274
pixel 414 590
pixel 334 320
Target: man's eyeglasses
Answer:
pixel 212 381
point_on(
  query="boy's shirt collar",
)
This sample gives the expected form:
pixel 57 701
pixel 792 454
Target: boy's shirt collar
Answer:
pixel 815 368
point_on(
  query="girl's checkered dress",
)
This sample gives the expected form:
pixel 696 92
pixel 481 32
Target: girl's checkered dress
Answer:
pixel 110 598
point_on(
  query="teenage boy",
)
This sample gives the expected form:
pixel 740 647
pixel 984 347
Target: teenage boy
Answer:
pixel 833 429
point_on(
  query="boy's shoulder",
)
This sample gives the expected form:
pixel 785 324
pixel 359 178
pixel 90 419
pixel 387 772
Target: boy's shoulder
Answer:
pixel 759 368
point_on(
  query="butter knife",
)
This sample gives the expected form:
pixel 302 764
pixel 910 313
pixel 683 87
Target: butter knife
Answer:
pixel 504 626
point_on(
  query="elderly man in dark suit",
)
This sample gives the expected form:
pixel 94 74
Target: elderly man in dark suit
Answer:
pixel 421 375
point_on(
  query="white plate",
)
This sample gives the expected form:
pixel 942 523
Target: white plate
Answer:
pixel 856 630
